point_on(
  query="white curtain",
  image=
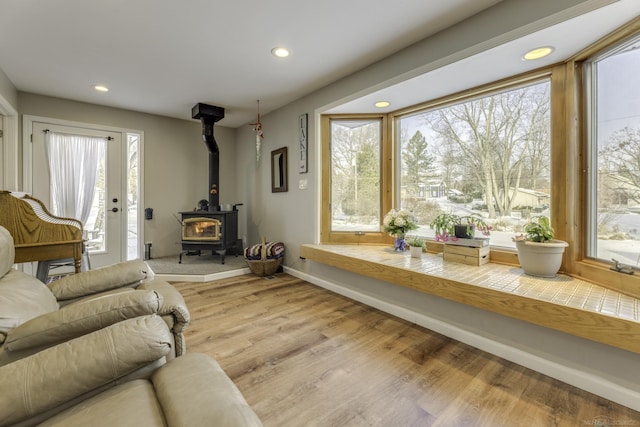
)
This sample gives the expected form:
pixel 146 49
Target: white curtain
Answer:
pixel 73 170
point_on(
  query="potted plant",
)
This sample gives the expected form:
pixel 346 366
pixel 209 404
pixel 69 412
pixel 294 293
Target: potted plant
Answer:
pixel 539 253
pixel 416 245
pixel 451 226
pixel 397 223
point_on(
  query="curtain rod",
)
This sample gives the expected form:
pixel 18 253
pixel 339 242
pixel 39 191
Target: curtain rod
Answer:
pixel 108 138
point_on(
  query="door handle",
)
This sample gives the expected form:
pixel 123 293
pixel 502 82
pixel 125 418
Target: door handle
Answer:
pixel 114 210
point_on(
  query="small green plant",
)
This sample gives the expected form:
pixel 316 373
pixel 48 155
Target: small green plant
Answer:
pixel 445 225
pixel 415 242
pixel 538 229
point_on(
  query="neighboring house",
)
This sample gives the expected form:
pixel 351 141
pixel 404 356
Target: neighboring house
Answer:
pixel 532 198
pixel 436 189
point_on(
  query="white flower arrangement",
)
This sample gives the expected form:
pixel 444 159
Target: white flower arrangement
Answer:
pixel 397 222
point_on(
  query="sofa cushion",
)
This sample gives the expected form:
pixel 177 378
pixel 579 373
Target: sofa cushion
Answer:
pixel 195 374
pixel 191 390
pixel 129 273
pixel 7 251
pixel 23 297
pixel 134 402
pixel 81 318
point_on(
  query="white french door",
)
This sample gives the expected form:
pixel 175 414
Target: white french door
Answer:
pixel 105 229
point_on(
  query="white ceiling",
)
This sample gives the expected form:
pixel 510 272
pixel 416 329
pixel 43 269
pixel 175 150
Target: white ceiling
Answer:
pixel 163 56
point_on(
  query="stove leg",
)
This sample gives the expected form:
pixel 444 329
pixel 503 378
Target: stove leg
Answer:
pixel 222 253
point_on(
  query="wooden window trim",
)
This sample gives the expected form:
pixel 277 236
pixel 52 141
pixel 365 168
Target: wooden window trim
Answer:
pixel 386 175
pixel 577 264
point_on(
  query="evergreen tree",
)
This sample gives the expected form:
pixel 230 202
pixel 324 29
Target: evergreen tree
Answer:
pixel 418 164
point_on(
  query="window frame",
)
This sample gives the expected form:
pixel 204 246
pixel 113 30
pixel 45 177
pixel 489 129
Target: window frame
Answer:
pixel 580 265
pixel 505 254
pixel 327 235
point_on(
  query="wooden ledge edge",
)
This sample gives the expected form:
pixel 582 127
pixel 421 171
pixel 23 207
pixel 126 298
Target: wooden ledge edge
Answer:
pixel 606 329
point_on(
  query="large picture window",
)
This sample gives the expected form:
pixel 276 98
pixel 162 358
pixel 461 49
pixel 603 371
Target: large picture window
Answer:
pixel 613 139
pixel 487 156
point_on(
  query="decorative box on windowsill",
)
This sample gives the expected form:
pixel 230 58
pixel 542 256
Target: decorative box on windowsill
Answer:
pixel 455 252
pixel 472 243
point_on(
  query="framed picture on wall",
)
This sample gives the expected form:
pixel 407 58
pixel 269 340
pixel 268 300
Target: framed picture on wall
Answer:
pixel 279 170
pixel 304 147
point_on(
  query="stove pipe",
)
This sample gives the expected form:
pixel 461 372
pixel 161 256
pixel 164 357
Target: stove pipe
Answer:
pixel 208 115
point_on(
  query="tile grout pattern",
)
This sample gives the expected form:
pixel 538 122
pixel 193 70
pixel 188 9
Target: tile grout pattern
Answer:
pixel 562 289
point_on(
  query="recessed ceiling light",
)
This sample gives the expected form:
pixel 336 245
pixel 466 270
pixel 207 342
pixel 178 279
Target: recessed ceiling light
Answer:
pixel 537 53
pixel 280 52
pixel 382 104
pixel 101 88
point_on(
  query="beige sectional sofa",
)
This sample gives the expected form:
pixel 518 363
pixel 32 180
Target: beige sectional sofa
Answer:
pixel 105 348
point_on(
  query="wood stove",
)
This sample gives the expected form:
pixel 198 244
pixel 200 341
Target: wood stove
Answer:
pixel 209 231
pixel 212 229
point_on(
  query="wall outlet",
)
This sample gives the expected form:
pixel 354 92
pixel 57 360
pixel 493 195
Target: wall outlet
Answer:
pixel 302 184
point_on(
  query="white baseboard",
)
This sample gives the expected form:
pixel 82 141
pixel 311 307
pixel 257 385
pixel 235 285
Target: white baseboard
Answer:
pixel 586 381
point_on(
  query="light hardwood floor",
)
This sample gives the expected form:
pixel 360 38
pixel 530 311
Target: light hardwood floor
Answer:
pixel 304 356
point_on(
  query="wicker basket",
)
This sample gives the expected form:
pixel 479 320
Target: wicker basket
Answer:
pixel 264 267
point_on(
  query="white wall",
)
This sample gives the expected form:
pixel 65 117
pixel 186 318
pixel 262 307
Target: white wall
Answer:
pixel 288 216
pixel 176 160
pixel 8 92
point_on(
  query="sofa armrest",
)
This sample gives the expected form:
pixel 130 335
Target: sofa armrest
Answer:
pixel 78 319
pixel 173 305
pixel 193 390
pixel 59 374
pixel 172 302
pixel 124 274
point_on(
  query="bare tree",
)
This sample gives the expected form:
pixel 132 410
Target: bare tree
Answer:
pixel 619 168
pixel 496 137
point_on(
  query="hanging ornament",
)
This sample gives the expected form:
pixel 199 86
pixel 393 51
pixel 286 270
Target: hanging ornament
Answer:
pixel 257 128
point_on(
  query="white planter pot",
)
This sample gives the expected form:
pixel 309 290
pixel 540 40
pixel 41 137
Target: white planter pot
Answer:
pixel 541 259
pixel 416 251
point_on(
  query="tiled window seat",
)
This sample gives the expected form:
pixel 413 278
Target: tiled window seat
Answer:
pixel 563 303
